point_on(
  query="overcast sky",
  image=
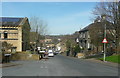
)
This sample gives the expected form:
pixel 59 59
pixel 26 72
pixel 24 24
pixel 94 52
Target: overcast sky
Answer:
pixel 61 17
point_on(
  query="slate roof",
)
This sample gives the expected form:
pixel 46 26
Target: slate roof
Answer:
pixel 92 24
pixel 10 21
pixel 86 28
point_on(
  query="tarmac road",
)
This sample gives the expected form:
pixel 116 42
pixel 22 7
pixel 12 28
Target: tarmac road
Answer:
pixel 60 66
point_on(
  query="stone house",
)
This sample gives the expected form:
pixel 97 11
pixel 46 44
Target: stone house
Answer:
pixel 84 39
pixel 90 37
pixel 15 31
pixel 49 43
pixel 48 40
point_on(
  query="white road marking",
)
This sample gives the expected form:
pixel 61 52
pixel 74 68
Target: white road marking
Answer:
pixel 46 67
pixel 41 67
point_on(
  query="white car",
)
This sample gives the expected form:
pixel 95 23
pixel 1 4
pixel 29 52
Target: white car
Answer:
pixel 50 54
pixel 50 51
pixel 41 51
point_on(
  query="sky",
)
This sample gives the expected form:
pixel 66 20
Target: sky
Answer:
pixel 61 17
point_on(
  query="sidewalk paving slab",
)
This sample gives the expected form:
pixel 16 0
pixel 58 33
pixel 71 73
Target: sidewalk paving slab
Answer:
pixel 102 62
pixel 8 65
pixel 99 61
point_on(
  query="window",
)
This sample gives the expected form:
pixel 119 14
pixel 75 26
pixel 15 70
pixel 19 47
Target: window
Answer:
pixel 5 35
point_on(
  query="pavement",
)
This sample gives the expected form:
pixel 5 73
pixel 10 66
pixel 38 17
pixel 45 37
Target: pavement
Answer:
pixel 60 66
pixel 102 62
pixel 99 61
pixel 8 65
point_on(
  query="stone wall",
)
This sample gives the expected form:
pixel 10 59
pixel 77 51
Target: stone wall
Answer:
pixel 24 56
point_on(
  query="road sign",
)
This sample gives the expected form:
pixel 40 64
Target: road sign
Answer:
pixel 104 40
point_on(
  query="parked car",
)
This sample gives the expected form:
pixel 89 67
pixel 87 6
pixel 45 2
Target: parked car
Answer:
pixel 50 51
pixel 50 54
pixel 57 52
pixel 41 51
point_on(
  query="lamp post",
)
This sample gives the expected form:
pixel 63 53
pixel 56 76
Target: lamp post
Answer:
pixel 104 18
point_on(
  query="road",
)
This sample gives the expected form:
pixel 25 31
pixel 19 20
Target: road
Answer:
pixel 60 66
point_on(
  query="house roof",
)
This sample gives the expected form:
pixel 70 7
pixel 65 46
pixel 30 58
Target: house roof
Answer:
pixel 86 28
pixel 11 21
pixel 109 26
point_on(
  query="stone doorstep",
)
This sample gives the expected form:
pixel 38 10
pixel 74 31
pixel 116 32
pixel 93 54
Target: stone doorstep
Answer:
pixel 8 65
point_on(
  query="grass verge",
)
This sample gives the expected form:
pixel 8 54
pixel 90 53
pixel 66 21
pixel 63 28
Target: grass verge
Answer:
pixel 113 58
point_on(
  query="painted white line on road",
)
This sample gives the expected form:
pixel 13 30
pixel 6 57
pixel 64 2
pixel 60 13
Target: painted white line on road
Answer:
pixel 41 67
pixel 46 67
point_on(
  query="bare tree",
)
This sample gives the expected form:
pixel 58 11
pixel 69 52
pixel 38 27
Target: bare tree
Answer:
pixel 112 12
pixel 39 27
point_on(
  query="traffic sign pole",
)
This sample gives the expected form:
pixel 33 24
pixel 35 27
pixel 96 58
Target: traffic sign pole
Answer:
pixel 104 42
pixel 104 52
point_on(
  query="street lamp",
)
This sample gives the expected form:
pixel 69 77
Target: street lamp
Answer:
pixel 104 18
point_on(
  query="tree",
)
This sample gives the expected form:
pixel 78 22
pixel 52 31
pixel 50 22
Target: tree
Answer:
pixel 68 44
pixel 96 34
pixel 6 46
pixel 112 12
pixel 76 49
pixel 39 27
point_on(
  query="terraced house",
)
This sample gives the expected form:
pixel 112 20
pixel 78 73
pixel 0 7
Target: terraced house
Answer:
pixel 15 31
